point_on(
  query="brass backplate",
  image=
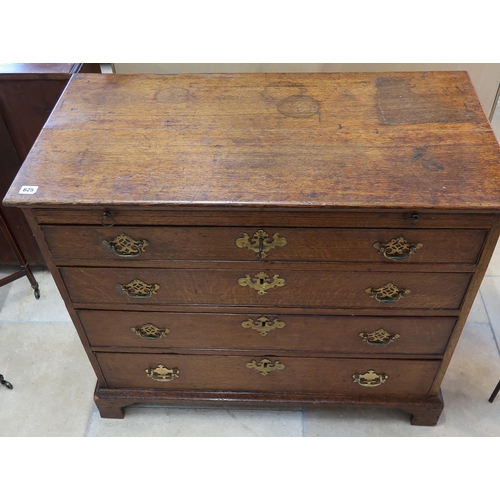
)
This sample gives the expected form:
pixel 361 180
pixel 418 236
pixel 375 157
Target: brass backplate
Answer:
pixel 265 366
pixel 138 289
pixel 398 248
pixel 126 246
pixel 261 282
pixel 162 374
pixel 150 331
pixel 387 293
pixel 260 243
pixel 379 337
pixel 370 378
pixel 263 325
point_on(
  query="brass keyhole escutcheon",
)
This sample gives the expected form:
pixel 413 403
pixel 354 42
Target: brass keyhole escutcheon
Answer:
pixel 260 243
pixel 262 282
pixel 265 366
pixel 263 325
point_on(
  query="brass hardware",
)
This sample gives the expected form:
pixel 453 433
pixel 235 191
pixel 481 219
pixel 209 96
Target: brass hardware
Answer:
pixel 125 246
pixel 162 374
pixel 260 243
pixel 370 378
pixel 265 366
pixel 137 289
pixel 107 220
pixel 379 337
pixel 150 331
pixel 411 221
pixel 261 282
pixel 387 293
pixel 398 248
pixel 263 325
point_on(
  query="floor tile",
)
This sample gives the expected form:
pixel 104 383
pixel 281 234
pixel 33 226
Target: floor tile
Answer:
pixel 21 304
pixel 490 292
pixel 188 422
pixel 478 312
pixel 4 290
pixel 494 266
pixel 52 378
pixel 472 375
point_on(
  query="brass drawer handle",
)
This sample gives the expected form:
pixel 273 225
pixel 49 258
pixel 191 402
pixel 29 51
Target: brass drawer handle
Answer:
pixel 265 366
pixel 138 289
pixel 398 248
pixel 387 293
pixel 263 325
pixel 379 337
pixel 162 374
pixel 150 331
pixel 261 282
pixel 370 378
pixel 260 242
pixel 125 246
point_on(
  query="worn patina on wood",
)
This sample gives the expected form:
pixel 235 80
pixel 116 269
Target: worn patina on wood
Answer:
pixel 398 140
pixel 382 191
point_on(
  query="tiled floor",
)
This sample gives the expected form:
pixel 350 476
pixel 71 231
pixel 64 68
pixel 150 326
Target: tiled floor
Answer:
pixel 41 355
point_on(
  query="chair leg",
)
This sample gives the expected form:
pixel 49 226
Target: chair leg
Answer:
pixel 5 383
pixel 26 270
pixel 494 393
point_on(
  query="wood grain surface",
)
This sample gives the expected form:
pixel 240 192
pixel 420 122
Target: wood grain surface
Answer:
pixel 314 244
pixel 312 375
pixel 302 288
pixel 297 140
pixel 312 333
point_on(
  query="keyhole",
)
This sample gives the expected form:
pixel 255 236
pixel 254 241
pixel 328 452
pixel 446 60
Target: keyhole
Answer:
pixel 261 281
pixel 261 248
pixel 266 365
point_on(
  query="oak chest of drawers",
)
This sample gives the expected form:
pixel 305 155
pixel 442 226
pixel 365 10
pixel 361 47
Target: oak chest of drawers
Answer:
pixel 266 239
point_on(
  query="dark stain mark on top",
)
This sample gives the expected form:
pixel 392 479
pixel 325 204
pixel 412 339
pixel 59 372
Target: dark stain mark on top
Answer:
pixel 421 157
pixel 419 153
pixel 399 102
pixel 298 106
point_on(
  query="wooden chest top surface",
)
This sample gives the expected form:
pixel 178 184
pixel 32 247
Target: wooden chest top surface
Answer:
pixel 341 140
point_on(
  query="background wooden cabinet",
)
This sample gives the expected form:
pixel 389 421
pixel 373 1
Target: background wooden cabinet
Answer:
pixel 28 93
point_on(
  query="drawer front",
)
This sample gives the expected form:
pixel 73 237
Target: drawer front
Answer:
pixel 271 287
pixel 284 374
pixel 333 334
pixel 264 243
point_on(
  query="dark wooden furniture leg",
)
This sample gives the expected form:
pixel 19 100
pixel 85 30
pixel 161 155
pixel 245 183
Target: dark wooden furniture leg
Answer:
pixel 25 268
pixel 5 382
pixel 494 393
